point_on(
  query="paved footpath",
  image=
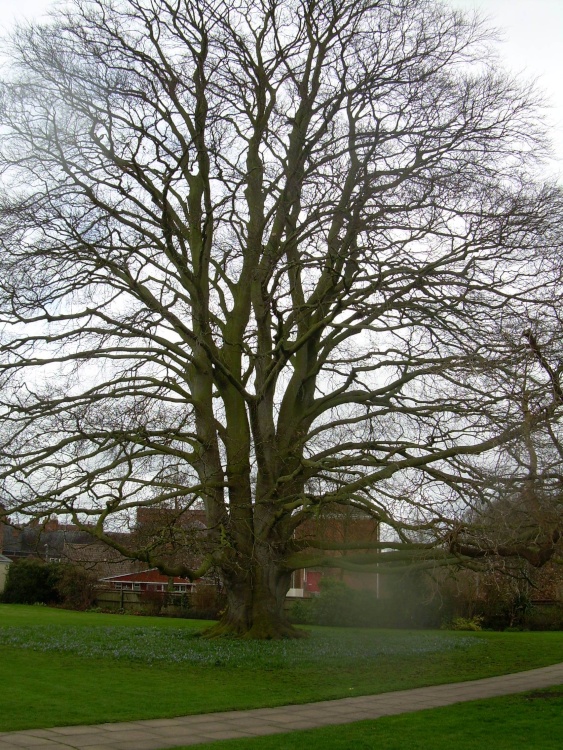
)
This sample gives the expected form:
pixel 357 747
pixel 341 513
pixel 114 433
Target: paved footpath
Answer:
pixel 158 734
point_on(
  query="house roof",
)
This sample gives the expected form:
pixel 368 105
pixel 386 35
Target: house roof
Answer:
pixel 152 575
pixel 100 560
pixel 33 540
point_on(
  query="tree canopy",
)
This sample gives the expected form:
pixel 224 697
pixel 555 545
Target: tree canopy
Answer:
pixel 279 259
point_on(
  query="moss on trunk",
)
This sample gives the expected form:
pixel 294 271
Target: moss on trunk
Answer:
pixel 255 605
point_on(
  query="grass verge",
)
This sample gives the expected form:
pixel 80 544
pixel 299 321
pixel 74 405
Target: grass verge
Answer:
pixel 516 722
pixel 62 668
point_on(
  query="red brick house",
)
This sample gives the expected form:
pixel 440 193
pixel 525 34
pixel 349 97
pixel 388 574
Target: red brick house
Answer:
pixel 341 526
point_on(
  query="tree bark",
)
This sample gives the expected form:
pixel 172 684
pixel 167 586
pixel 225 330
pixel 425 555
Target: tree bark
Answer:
pixel 255 603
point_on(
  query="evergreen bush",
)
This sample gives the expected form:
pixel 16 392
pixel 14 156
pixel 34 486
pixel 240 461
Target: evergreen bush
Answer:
pixel 31 581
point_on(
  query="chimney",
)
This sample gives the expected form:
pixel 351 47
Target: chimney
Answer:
pixel 52 524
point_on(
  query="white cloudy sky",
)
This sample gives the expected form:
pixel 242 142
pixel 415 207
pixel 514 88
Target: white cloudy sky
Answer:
pixel 533 41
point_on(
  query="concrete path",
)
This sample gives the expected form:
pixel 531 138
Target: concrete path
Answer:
pixel 158 734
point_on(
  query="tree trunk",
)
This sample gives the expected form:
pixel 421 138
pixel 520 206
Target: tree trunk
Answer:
pixel 255 604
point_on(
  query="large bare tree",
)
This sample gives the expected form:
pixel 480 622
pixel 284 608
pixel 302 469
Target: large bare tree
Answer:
pixel 268 257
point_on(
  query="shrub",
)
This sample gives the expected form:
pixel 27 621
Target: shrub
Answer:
pixel 544 617
pixel 31 581
pixel 75 587
pixel 152 601
pixel 335 605
pixel 406 605
pixel 300 612
pixel 206 602
pixel 465 623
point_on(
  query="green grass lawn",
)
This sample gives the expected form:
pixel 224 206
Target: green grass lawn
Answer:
pixel 531 721
pixel 59 667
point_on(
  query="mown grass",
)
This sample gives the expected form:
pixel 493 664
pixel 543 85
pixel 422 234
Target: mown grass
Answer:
pixel 59 667
pixel 531 721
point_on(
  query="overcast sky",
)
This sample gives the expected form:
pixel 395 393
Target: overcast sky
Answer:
pixel 533 41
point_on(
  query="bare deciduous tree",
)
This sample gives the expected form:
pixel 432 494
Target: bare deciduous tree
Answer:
pixel 518 500
pixel 268 257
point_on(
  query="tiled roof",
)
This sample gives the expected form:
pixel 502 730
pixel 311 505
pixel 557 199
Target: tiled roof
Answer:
pixel 152 575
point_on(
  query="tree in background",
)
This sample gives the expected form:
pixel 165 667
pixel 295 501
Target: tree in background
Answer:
pixel 517 500
pixel 275 258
